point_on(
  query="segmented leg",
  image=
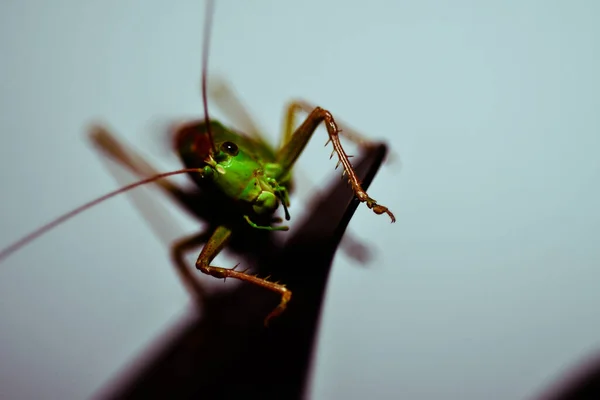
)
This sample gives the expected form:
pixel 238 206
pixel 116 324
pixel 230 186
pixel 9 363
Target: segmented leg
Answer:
pixel 291 150
pixel 224 97
pixel 215 244
pixel 296 106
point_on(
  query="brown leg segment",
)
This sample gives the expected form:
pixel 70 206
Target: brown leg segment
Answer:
pixel 224 97
pixel 215 244
pixel 296 106
pixel 291 150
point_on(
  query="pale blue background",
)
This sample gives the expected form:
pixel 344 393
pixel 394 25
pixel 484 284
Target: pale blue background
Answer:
pixel 486 287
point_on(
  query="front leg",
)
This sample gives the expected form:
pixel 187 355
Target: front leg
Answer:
pixel 215 244
pixel 291 150
pixel 297 106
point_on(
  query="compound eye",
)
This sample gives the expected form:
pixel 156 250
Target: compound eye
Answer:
pixel 230 148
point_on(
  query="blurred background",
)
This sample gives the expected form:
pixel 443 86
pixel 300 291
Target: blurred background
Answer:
pixel 486 287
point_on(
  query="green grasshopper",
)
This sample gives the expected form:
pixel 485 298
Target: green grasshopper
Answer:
pixel 230 167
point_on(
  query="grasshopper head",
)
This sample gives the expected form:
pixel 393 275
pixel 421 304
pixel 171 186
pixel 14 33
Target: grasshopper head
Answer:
pixel 240 167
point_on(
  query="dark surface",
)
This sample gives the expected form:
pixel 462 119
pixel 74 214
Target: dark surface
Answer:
pixel 228 353
pixel 579 383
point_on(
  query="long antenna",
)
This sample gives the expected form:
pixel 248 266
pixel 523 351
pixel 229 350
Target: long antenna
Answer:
pixel 45 228
pixel 205 49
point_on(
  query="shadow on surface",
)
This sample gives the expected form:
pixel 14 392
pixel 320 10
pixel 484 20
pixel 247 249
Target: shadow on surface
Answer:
pixel 227 352
pixel 579 383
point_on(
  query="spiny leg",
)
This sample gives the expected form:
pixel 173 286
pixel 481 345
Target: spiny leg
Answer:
pixel 349 244
pixel 296 106
pixel 224 97
pixel 215 244
pixel 291 150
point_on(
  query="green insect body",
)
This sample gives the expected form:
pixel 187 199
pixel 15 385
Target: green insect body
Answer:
pixel 243 170
pixel 256 177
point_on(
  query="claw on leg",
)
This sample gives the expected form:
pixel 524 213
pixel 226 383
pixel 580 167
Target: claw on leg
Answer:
pixel 379 209
pixel 290 151
pixel 286 295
